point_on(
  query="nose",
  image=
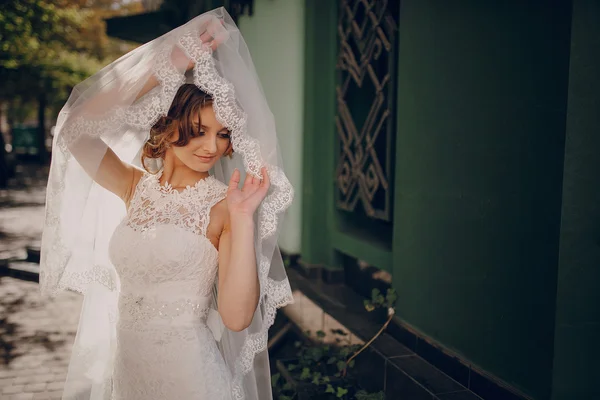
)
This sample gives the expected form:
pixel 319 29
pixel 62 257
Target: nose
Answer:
pixel 210 144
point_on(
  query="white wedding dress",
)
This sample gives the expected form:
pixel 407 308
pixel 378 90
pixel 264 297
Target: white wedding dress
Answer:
pixel 167 267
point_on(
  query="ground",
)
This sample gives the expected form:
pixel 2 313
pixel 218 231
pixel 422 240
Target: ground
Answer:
pixel 36 334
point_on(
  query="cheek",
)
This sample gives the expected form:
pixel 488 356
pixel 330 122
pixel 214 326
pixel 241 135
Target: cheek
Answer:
pixel 185 151
pixel 223 145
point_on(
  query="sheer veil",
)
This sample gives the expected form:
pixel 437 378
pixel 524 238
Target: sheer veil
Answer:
pixel 114 109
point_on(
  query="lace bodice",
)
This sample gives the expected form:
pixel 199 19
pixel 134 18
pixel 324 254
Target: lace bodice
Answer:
pixel 162 241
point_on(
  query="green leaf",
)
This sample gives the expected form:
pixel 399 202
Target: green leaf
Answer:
pixel 345 352
pixel 363 395
pixel 331 360
pixel 341 392
pixel 287 386
pixel 354 347
pixel 351 363
pixel 360 394
pixel 341 365
pixel 329 389
pixel 316 378
pixel 305 374
pixel 291 367
pixel 315 353
pixel 391 297
pixel 274 379
pixel 374 293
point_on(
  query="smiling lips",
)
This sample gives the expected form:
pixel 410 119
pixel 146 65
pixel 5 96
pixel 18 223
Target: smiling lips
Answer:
pixel 205 158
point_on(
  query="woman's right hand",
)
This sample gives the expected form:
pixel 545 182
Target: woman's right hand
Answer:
pixel 213 34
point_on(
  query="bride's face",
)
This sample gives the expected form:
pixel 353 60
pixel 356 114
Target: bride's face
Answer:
pixel 210 142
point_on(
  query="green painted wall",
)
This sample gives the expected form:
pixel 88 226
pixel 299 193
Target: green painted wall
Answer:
pixel 496 245
pixel 576 350
pixel 480 146
pixel 275 38
pixel 320 24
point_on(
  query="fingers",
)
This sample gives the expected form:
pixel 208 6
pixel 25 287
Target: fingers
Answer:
pixel 253 183
pixel 214 34
pixel 266 181
pixel 249 183
pixel 235 180
pixel 219 38
pixel 261 186
pixel 205 37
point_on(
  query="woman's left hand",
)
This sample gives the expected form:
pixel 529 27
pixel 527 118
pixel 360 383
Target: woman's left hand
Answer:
pixel 245 201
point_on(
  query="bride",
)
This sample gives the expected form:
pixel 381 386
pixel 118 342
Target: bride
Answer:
pixel 178 265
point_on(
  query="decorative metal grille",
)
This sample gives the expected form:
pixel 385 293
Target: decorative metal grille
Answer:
pixel 366 68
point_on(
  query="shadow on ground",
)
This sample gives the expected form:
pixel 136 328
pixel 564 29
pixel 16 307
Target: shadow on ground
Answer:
pixel 19 334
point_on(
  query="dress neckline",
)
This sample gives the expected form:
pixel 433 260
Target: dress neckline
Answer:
pixel 167 188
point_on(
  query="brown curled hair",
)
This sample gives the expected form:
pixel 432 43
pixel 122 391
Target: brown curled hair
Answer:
pixel 186 106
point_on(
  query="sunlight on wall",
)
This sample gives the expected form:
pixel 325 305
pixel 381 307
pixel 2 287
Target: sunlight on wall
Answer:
pixel 275 37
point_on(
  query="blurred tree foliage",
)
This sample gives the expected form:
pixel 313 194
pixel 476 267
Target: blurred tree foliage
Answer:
pixel 48 46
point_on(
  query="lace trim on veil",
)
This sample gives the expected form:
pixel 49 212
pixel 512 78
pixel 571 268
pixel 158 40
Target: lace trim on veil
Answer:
pixel 274 294
pixel 56 277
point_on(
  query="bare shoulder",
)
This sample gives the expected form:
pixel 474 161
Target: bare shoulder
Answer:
pixel 115 175
pixel 136 176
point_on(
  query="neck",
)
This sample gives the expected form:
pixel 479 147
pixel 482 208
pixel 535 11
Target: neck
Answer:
pixel 181 176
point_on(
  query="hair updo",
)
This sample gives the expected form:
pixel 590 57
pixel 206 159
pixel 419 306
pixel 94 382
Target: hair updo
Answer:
pixel 186 106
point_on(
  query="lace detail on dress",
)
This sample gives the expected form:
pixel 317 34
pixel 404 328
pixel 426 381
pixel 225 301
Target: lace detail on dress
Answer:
pixel 172 227
pixel 167 269
pixel 188 209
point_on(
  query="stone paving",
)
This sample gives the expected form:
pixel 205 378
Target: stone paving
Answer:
pixel 36 334
pixel 22 211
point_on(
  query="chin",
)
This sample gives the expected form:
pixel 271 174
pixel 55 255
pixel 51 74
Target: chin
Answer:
pixel 200 166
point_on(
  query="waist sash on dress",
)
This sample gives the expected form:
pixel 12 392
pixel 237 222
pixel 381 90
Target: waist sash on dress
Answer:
pixel 169 304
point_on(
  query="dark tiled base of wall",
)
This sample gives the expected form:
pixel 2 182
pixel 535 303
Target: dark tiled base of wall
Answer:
pixel 400 362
